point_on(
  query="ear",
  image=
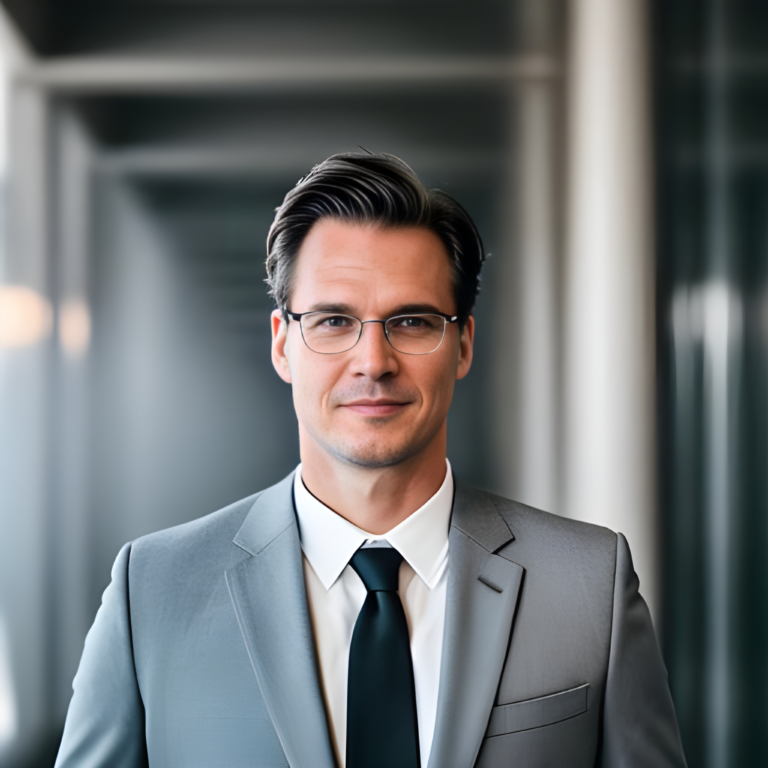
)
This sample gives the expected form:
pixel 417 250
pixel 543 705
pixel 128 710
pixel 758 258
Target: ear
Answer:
pixel 279 340
pixel 466 344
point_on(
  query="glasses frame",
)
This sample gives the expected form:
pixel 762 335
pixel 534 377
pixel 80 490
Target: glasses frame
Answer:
pixel 298 315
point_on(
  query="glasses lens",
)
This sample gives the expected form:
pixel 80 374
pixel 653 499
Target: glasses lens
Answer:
pixel 327 332
pixel 416 334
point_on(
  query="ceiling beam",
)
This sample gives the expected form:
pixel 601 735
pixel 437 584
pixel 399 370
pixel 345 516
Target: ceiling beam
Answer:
pixel 98 75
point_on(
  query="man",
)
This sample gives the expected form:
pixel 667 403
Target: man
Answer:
pixel 366 612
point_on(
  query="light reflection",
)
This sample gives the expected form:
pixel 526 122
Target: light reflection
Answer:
pixel 711 314
pixel 74 328
pixel 8 724
pixel 25 316
pixel 711 318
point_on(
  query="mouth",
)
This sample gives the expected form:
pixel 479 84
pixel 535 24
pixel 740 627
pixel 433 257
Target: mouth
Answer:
pixel 373 407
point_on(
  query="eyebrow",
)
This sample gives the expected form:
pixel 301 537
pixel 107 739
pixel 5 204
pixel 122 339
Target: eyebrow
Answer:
pixel 410 309
pixel 342 309
pixel 346 309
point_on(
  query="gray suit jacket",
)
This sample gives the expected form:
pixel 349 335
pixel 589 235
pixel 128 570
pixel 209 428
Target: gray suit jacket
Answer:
pixel 202 654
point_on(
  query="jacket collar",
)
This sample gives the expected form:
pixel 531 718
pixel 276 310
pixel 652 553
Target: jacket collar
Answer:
pixel 483 590
pixel 270 601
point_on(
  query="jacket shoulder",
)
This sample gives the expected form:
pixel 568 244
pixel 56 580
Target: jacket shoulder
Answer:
pixel 557 549
pixel 202 534
pixel 526 522
pixel 190 550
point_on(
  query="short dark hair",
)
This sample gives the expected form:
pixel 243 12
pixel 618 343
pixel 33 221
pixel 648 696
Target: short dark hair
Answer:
pixel 378 189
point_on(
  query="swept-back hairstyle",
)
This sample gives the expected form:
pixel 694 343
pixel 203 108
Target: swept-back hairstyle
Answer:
pixel 376 189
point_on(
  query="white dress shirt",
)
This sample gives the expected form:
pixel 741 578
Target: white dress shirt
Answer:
pixel 336 595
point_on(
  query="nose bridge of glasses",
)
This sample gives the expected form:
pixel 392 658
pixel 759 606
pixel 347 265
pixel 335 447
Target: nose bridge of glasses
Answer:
pixel 382 323
pixel 365 322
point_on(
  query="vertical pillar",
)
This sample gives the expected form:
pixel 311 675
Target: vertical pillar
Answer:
pixel 722 343
pixel 527 324
pixel 608 334
pixel 24 426
pixel 528 319
pixel 71 609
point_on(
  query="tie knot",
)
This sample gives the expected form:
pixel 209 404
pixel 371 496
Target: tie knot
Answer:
pixel 378 567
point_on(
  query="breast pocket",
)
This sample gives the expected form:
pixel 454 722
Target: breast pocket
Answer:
pixel 535 713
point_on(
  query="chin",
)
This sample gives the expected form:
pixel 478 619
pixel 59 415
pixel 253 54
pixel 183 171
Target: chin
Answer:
pixel 375 455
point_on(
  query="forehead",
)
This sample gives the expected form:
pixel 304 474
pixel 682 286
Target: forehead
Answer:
pixel 369 267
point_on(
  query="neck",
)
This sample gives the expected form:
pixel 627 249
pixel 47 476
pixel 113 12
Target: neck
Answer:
pixel 375 500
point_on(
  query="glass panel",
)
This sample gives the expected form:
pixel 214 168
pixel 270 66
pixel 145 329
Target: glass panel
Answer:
pixel 712 148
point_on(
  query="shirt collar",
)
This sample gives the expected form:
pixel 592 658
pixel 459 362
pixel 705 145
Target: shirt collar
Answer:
pixel 329 541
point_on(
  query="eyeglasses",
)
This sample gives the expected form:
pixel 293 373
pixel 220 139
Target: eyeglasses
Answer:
pixel 329 333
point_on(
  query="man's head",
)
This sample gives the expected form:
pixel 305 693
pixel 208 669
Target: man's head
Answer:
pixel 360 237
pixel 373 189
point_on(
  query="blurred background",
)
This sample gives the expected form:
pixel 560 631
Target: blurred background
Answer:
pixel 613 154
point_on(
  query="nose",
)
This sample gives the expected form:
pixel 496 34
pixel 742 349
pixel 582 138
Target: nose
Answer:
pixel 373 356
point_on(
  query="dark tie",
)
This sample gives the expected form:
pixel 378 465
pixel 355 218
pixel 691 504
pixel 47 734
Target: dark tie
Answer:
pixel 382 729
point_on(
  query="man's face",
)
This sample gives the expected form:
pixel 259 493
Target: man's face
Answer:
pixel 371 406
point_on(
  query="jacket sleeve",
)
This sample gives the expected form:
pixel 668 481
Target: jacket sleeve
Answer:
pixel 105 721
pixel 639 724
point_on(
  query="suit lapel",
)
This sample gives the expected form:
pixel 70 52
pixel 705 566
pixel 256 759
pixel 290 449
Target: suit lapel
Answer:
pixel 482 596
pixel 269 597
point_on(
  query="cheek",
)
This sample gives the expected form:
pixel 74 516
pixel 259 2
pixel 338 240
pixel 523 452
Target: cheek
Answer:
pixel 312 384
pixel 444 394
pixel 436 384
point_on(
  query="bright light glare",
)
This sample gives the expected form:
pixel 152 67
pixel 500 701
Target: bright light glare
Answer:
pixel 711 313
pixel 25 316
pixel 74 328
pixel 7 698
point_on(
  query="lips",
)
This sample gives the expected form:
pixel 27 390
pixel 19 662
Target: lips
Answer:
pixel 383 407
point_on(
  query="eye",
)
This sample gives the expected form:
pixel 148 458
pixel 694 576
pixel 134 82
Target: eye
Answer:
pixel 410 322
pixel 336 321
pixel 424 322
